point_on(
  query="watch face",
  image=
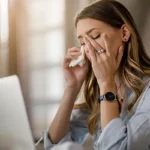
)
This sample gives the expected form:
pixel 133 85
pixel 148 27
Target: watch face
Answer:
pixel 110 96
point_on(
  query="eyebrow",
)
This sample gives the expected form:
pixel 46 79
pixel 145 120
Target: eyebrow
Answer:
pixel 87 32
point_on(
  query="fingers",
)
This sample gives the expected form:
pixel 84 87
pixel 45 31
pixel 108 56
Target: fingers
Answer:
pixel 94 43
pixel 73 49
pixel 107 45
pixel 67 61
pixel 97 47
pixel 74 52
pixel 92 51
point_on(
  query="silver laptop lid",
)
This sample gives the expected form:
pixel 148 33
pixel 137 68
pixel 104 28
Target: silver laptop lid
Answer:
pixel 15 133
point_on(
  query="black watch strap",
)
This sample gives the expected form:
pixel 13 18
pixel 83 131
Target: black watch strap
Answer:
pixel 102 97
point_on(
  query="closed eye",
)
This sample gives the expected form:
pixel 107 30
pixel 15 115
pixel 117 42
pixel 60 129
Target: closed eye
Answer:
pixel 96 37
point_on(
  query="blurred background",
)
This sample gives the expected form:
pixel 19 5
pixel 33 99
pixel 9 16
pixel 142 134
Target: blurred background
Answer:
pixel 34 37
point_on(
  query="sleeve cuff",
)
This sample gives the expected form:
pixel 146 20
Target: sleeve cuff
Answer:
pixel 48 144
pixel 114 128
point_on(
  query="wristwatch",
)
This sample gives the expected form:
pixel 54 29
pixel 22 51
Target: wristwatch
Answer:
pixel 110 96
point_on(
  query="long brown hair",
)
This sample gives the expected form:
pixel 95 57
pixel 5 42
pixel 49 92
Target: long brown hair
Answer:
pixel 134 64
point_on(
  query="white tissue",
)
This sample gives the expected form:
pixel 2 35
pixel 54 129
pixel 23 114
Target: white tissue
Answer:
pixel 80 60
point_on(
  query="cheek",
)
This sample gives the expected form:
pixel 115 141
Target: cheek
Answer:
pixel 116 45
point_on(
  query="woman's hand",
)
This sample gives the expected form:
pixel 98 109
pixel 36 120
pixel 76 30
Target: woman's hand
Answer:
pixel 74 76
pixel 104 65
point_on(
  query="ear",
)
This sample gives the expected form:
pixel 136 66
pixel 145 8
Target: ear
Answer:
pixel 125 33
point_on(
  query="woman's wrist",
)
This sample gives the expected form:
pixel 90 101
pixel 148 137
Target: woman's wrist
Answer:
pixel 108 86
pixel 73 87
pixel 70 94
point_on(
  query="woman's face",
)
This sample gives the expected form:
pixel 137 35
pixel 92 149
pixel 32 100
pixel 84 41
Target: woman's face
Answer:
pixel 95 28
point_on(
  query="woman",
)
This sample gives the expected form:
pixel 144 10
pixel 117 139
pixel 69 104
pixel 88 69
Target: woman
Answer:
pixel 115 79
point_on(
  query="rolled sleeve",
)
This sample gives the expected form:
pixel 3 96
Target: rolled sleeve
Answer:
pixel 77 133
pixel 134 135
pixel 48 144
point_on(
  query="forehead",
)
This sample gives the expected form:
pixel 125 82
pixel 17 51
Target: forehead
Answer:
pixel 85 25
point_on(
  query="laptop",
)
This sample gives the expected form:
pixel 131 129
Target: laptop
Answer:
pixel 15 132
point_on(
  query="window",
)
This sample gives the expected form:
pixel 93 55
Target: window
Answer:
pixel 4 38
pixel 46 50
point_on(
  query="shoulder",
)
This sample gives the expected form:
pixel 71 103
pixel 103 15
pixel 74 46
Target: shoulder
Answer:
pixel 144 102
